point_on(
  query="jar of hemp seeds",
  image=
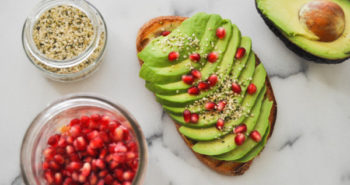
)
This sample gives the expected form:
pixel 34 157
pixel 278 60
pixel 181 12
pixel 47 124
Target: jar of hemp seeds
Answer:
pixel 65 39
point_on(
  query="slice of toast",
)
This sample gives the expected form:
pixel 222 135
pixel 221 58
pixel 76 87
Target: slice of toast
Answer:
pixel 153 29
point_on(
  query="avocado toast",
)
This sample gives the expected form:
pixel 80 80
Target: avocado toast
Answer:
pixel 208 79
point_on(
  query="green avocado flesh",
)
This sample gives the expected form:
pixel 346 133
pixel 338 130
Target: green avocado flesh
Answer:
pixel 284 14
pixel 164 78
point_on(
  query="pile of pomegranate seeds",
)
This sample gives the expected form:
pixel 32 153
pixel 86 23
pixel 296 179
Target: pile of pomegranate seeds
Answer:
pixel 190 117
pixel 240 136
pixel 91 151
pixel 240 53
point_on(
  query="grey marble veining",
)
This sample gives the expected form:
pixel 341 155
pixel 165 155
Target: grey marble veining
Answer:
pixel 310 144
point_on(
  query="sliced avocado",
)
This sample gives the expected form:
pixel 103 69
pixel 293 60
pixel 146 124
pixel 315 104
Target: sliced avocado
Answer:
pixel 284 18
pixel 227 143
pixel 206 134
pixel 253 153
pixel 155 54
pixel 261 126
pixel 173 72
pixel 208 69
pixel 245 43
pixel 225 67
pixel 207 119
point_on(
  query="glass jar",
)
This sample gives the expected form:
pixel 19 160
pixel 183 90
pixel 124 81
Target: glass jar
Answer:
pixel 74 68
pixel 58 114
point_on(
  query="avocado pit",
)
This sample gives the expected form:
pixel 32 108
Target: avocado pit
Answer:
pixel 324 18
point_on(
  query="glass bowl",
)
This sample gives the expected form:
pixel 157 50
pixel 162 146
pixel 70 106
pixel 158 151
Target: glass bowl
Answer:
pixel 74 68
pixel 58 114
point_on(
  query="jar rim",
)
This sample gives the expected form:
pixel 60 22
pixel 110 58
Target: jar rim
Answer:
pixel 34 127
pixel 90 10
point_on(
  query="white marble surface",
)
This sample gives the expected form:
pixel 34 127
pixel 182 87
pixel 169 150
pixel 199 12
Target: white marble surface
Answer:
pixel 311 141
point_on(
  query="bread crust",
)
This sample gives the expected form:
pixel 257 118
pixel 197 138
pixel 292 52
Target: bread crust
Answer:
pixel 152 29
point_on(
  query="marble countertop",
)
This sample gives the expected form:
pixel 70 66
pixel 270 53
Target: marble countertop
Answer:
pixel 311 140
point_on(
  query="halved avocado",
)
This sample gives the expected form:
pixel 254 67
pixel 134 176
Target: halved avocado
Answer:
pixel 315 30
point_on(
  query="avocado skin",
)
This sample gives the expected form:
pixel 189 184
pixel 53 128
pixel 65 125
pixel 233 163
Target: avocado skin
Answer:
pixel 296 49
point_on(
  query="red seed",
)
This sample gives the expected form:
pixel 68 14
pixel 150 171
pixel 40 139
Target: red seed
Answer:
pixel 70 139
pixel 75 130
pixel 62 142
pixel 79 143
pixel 174 55
pixel 101 182
pixel 58 178
pixel 194 118
pixel 54 165
pixel 130 155
pixel 59 158
pixel 212 57
pixel 74 122
pixel 96 143
pixel 236 88
pixel 193 90
pixel 82 178
pixel 240 53
pixel 119 174
pixel 126 183
pixel 165 33
pixel 49 177
pixel 100 164
pixel 49 153
pixel 120 148
pixel 203 86
pixel 196 74
pixel 188 79
pixel 92 135
pixel 187 116
pixel 69 149
pixel 212 80
pixel 118 134
pixel 132 146
pixel 220 124
pixel 95 117
pixel 255 135
pixel 240 128
pixel 84 120
pixel 220 32
pixel 74 166
pixel 46 165
pixel 195 57
pixel 128 175
pixel 251 89
pixel 210 106
pixel 68 181
pixel 108 179
pixel 103 173
pixel 53 140
pixel 86 169
pixel 239 139
pixel 93 179
pixel 221 105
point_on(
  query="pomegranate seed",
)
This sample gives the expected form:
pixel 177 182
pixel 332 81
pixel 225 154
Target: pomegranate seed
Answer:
pixel 82 178
pixel 95 117
pixel 220 32
pixel 108 179
pixel 74 166
pixel 255 135
pixel 53 140
pixel 102 173
pixel 68 181
pixel 59 159
pixel 103 153
pixel 119 174
pixel 58 178
pixel 115 183
pixel 165 33
pixel 126 183
pixel 240 53
pixel 239 139
pixel 213 57
pixel 100 164
pixel 70 139
pixel 128 175
pixel 193 90
pixel 174 55
pixel 69 149
pixel 236 88
pixel 49 153
pixel 75 176
pixel 240 128
pixel 131 155
pixel 212 80
pixel 92 135
pixel 210 106
pixel 104 136
pixel 188 79
pixel 251 89
pixel 86 169
pixel 93 179
pixel 203 86
pixel 62 142
pixel 53 165
pixel 45 165
pixel 75 130
pixel 96 143
pixel 101 182
pixel 49 177
pixel 84 120
pixel 196 74
pixel 220 124
pixel 118 134
pixel 132 146
pixel 74 122
pixel 221 105
pixel 195 57
pixel 80 143
pixel 187 116
pixel 194 118
pixel 120 148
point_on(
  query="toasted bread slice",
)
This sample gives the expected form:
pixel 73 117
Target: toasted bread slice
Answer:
pixel 153 29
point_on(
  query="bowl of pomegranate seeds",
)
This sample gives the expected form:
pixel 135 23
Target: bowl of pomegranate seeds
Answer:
pixel 83 139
